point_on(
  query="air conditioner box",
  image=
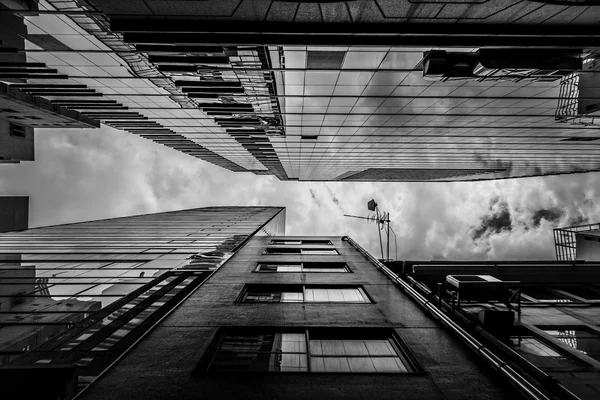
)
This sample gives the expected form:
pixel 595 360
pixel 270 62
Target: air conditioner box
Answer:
pixel 476 287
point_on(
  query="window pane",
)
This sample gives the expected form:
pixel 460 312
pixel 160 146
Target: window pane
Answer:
pixel 333 347
pixel 355 348
pixel 388 364
pixel 379 347
pixel 361 364
pixel 291 297
pixel 334 364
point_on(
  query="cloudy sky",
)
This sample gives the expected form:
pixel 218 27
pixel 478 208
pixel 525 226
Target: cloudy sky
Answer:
pixel 81 175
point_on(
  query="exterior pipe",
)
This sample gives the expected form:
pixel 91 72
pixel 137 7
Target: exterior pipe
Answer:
pixel 548 382
pixel 520 383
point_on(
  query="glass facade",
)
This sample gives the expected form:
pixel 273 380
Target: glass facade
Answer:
pixel 82 293
pixel 321 111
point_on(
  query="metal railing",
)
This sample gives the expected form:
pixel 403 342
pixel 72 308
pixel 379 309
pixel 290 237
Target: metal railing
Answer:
pixel 565 240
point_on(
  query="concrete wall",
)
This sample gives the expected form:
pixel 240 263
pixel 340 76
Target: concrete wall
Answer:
pixel 14 213
pixel 14 147
pixel 161 366
pixel 588 247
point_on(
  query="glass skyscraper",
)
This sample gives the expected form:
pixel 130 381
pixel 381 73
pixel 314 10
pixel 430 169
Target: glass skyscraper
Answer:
pixel 363 91
pixel 118 276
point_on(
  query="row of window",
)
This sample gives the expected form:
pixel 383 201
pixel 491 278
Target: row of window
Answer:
pixel 303 267
pixel 348 350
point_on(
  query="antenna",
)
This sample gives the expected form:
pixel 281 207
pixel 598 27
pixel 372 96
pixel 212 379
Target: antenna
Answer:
pixel 382 219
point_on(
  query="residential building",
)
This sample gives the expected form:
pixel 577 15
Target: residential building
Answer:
pixel 79 295
pixel 14 213
pixel 580 242
pixel 540 317
pixel 299 317
pixel 365 90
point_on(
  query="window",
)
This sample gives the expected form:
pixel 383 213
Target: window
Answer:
pixel 299 242
pixel 541 354
pixel 303 267
pixel 303 294
pixel 580 338
pixel 17 130
pixel 314 350
pixel 284 250
pixel 544 295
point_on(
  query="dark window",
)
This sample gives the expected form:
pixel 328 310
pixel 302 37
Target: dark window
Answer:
pixel 310 137
pixel 580 338
pixel 17 130
pixel 325 59
pixel 300 242
pixel 544 295
pixel 303 294
pixel 303 267
pixel 580 139
pixel 284 250
pixel 314 350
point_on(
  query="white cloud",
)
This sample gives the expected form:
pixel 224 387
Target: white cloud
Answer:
pixel 80 175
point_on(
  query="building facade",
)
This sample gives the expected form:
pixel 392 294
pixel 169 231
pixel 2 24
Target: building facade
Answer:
pixel 333 90
pixel 299 318
pixel 80 294
pixel 541 318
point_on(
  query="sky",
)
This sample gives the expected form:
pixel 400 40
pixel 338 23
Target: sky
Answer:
pixel 86 174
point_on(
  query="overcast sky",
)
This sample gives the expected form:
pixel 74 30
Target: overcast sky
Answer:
pixel 81 175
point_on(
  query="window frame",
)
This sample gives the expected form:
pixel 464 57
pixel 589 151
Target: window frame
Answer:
pixel 302 242
pixel 17 130
pixel 345 268
pixel 403 352
pixel 284 251
pixel 273 288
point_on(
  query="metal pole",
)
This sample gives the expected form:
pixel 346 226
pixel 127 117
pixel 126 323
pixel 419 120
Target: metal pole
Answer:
pixel 388 236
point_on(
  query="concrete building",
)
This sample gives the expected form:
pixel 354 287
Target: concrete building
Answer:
pixel 580 242
pixel 298 318
pixel 14 213
pixel 364 90
pixel 541 318
pixel 76 296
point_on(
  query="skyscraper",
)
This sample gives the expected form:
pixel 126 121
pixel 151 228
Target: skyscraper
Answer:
pixel 80 294
pixel 349 91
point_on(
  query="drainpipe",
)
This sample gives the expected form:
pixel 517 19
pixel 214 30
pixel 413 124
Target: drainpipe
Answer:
pixel 497 364
pixel 548 382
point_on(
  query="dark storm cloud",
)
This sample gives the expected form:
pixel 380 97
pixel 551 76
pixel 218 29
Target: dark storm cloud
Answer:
pixel 549 214
pixel 497 221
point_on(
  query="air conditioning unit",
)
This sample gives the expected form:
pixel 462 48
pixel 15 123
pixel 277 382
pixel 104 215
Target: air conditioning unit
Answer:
pixel 480 288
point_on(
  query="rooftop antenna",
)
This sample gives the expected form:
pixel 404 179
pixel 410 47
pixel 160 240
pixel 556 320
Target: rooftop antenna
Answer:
pixel 382 219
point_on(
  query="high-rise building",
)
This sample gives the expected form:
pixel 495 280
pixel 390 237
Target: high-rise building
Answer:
pixel 579 242
pixel 81 294
pixel 362 90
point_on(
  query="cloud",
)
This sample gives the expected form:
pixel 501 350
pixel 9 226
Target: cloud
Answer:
pixel 81 175
pixel 549 214
pixel 497 221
